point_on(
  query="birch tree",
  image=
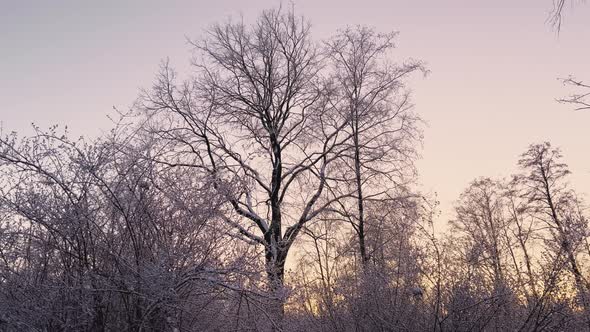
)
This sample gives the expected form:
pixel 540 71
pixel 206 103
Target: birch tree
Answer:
pixel 382 126
pixel 556 206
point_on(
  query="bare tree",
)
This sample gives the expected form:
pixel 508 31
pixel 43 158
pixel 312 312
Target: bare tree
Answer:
pixel 557 206
pixel 384 129
pixel 258 122
pixel 480 216
pixel 480 229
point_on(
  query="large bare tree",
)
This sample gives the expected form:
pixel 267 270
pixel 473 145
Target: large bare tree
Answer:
pixel 259 123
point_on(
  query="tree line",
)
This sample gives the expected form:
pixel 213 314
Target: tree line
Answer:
pixel 274 189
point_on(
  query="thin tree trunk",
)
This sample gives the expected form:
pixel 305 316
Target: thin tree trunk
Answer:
pixel 360 200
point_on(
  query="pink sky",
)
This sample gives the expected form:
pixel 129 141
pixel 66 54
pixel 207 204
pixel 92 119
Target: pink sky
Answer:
pixel 491 90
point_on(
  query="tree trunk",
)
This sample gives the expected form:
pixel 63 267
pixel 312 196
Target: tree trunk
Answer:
pixel 275 269
pixel 360 199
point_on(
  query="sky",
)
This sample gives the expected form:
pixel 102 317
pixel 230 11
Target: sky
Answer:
pixel 490 93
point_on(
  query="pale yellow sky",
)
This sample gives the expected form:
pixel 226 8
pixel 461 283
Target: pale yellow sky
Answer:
pixel 491 92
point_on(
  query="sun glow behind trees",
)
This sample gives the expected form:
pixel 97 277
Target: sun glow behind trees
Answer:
pixel 185 215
